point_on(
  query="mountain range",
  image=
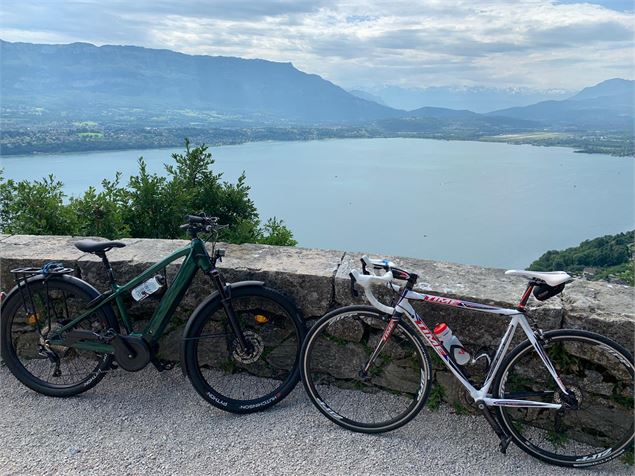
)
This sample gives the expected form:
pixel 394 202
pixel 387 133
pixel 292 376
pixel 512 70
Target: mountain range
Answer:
pixel 475 98
pixel 85 77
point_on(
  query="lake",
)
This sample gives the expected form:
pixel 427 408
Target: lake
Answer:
pixel 478 203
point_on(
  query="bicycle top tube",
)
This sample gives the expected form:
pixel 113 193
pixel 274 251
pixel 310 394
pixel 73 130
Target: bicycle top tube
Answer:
pixel 366 281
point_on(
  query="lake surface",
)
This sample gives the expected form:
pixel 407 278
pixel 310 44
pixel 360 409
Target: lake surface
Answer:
pixel 479 203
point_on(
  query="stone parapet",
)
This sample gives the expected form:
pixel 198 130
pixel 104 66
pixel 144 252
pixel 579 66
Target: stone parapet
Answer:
pixel 317 280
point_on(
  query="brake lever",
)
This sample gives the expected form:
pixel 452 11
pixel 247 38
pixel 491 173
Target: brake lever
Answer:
pixel 364 270
pixel 354 292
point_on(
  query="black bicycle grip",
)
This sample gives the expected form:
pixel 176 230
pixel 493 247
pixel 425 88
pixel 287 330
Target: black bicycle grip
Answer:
pixel 354 293
pixel 195 219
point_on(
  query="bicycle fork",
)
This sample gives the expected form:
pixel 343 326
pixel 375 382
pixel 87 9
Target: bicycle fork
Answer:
pixel 390 327
pixel 225 295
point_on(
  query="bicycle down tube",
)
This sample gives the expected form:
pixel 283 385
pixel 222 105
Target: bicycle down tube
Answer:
pixel 196 257
pixel 403 306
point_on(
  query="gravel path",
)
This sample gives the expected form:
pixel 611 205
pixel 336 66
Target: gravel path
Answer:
pixel 151 423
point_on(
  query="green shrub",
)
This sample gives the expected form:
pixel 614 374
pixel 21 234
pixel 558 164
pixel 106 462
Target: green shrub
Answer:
pixel 611 254
pixel 150 206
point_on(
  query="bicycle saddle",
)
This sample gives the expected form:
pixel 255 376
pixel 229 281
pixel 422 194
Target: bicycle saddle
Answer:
pixel 551 278
pixel 92 246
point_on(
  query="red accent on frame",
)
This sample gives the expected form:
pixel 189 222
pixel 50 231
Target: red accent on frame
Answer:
pixel 523 300
pixel 389 328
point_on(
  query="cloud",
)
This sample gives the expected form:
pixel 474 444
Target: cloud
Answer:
pixel 365 43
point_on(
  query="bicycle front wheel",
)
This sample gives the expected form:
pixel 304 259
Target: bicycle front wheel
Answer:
pixel 245 381
pixel 388 395
pixel 592 428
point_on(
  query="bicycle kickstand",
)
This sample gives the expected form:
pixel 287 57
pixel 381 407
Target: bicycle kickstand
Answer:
pixel 504 438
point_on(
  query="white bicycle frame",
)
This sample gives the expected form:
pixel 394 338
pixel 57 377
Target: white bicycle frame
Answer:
pixel 518 318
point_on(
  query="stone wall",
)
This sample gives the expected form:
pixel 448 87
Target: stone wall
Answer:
pixel 317 280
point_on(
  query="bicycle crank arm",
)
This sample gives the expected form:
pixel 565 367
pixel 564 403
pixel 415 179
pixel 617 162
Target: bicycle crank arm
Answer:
pixel 504 438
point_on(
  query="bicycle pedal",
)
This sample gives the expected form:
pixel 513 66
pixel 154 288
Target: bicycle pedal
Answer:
pixel 162 365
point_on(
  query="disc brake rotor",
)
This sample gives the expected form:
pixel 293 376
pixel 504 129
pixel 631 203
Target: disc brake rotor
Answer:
pixel 251 355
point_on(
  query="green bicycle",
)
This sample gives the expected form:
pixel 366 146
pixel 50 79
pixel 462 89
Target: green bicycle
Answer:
pixel 240 347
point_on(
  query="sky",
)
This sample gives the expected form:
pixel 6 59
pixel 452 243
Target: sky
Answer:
pixel 366 44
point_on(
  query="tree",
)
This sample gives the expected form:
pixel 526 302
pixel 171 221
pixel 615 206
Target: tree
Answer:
pixel 150 206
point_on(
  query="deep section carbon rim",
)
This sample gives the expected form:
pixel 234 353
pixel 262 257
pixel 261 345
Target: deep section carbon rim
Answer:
pixel 594 426
pixel 384 398
pixel 240 381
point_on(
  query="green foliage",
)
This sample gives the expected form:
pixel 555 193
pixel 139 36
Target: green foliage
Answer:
pixel 437 394
pixel 613 254
pixel 150 206
pixel 460 409
pixel 34 208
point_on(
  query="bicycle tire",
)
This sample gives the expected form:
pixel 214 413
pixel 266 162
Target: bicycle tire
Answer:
pixel 245 383
pixel 400 379
pixel 600 374
pixel 22 336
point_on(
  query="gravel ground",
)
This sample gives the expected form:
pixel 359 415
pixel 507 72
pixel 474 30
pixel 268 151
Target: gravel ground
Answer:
pixel 151 423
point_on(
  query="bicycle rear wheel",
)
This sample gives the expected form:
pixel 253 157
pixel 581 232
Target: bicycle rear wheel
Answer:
pixel 236 381
pixel 334 355
pixel 594 428
pixel 28 318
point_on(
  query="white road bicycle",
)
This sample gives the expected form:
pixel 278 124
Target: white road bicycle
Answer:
pixel 563 396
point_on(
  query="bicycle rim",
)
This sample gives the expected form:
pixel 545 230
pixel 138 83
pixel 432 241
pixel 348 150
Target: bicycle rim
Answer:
pixel 54 370
pixel 240 381
pixel 598 426
pixel 386 397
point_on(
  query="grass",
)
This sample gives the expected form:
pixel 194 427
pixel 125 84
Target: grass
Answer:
pixel 460 409
pixel 557 439
pixel 436 397
pixel 627 402
pixel 628 458
pixel 528 135
pixel 229 366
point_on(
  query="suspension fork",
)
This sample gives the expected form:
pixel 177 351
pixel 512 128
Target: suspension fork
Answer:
pixel 225 295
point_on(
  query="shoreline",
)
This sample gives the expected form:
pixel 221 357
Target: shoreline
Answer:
pixel 489 139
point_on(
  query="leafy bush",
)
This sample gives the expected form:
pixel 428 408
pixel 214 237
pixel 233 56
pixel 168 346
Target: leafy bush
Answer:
pixel 612 254
pixel 150 206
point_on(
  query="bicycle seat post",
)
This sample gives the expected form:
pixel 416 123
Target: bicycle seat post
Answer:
pixel 109 271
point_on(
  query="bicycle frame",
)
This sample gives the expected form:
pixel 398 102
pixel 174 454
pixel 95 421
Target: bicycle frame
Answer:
pixel 517 319
pixel 196 257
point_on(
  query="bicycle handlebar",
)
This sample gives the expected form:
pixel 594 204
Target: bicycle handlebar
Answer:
pixel 366 281
pixel 198 223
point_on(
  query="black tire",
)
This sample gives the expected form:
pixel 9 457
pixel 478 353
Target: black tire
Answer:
pixel 22 336
pixel 334 353
pixel 598 371
pixel 237 383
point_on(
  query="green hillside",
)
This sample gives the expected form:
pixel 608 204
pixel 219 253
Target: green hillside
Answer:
pixel 610 255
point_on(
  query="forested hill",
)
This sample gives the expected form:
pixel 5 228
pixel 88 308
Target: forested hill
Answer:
pixel 611 255
pixel 82 75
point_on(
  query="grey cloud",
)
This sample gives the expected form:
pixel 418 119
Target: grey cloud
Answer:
pixel 581 33
pixel 395 40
